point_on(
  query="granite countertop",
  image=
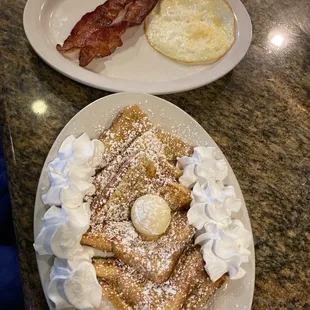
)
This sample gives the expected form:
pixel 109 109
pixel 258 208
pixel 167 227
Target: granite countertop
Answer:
pixel 259 115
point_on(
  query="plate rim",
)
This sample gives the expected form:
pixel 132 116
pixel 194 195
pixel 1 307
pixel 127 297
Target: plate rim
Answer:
pixel 89 78
pixel 37 221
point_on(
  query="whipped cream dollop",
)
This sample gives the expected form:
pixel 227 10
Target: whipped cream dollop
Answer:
pixel 74 283
pixel 203 165
pixel 224 249
pixel 71 172
pixel 223 240
pixel 212 203
pixel 62 231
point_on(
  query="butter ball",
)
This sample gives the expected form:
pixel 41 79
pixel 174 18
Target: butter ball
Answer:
pixel 150 215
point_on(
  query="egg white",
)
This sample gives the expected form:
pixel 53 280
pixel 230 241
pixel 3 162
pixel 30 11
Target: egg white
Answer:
pixel 191 31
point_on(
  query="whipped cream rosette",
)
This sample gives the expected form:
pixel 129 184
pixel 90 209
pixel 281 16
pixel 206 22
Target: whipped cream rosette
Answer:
pixel 224 249
pixel 203 165
pixel 62 231
pixel 212 203
pixel 74 283
pixel 71 172
pixel 224 241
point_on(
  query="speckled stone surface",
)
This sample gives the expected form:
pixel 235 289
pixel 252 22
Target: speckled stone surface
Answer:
pixel 259 114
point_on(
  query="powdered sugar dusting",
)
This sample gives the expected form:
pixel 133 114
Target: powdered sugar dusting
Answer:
pixel 139 160
pixel 187 278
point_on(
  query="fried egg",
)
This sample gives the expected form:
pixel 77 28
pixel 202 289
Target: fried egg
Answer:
pixel 191 31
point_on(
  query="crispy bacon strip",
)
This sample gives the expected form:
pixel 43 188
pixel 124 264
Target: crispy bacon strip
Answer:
pixel 105 41
pixel 102 43
pixel 101 17
pixel 138 11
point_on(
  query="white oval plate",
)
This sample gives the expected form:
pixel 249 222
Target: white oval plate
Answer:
pixel 136 66
pixel 238 294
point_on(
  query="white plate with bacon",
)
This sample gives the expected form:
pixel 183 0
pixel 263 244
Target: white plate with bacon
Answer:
pixel 110 48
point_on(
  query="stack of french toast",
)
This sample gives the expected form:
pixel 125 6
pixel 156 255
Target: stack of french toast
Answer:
pixel 146 272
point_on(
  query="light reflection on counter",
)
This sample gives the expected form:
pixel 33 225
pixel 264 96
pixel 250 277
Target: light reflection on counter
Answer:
pixel 39 107
pixel 278 38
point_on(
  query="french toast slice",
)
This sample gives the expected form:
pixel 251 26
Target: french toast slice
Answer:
pixel 115 298
pixel 174 147
pixel 177 196
pixel 113 203
pixel 146 173
pixel 107 180
pixel 135 291
pixel 146 142
pixel 155 260
pixel 130 123
pixel 203 292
